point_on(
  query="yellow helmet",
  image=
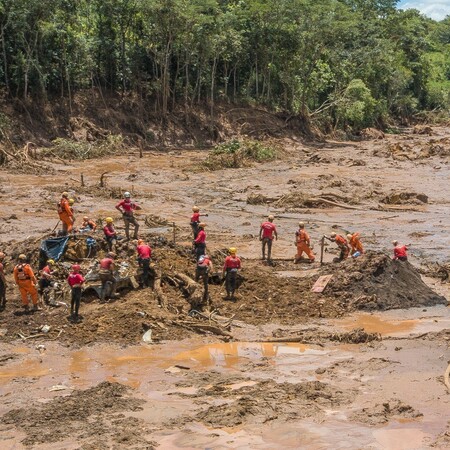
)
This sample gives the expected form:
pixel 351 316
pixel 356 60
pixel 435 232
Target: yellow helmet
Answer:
pixel 301 224
pixel 333 234
pixel 195 209
pixel 50 261
pixel 232 250
pixel 109 220
pixel 271 217
pixel 202 225
pixel 349 236
pixel 22 257
pixel 65 194
pixel 71 201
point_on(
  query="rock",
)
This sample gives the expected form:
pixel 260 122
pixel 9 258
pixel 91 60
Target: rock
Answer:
pixel 147 337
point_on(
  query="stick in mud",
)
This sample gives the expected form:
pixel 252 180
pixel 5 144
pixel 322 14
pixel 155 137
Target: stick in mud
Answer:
pixel 322 243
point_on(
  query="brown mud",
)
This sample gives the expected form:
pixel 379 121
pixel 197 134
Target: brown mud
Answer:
pixel 360 365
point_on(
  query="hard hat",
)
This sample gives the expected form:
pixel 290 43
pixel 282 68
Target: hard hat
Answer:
pixel 22 256
pixel 271 217
pixel 127 194
pixel 76 267
pixel 394 242
pixel 85 218
pixel 232 250
pixel 2 255
pixel 71 201
pixel 65 194
pixel 202 225
pixel 195 209
pixel 109 220
pixel 111 254
pixel 349 236
pixel 333 234
pixel 140 241
pixel 301 224
pixel 50 261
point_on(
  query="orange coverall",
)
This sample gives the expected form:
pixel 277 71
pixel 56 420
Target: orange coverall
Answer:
pixel 356 244
pixel 66 215
pixel 302 241
pixel 25 279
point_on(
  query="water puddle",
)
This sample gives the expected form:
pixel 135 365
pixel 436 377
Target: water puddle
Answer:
pixel 375 324
pixel 400 438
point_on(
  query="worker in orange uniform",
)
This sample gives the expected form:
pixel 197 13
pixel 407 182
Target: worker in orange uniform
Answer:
pixel 400 251
pixel 2 283
pixel 342 244
pixel 267 232
pixel 195 220
pixel 65 214
pixel 230 270
pixel 200 241
pixel 144 252
pixel 127 208
pixel 303 244
pixel 357 248
pixel 88 225
pixel 25 279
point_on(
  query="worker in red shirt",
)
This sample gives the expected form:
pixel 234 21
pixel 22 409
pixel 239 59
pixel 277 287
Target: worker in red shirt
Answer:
pixel 355 243
pixel 47 278
pixel 75 281
pixel 200 241
pixel 230 270
pixel 2 283
pixel 267 232
pixel 400 251
pixel 342 243
pixel 110 233
pixel 303 243
pixel 195 220
pixel 106 274
pixel 144 252
pixel 26 280
pixel 65 213
pixel 204 267
pixel 127 208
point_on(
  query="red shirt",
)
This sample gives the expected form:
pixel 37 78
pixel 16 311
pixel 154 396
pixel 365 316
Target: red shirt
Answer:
pixel 106 263
pixel 144 251
pixel 109 230
pixel 127 205
pixel 201 237
pixel 400 252
pixel 75 278
pixel 232 262
pixel 268 230
pixel 195 217
pixel 204 262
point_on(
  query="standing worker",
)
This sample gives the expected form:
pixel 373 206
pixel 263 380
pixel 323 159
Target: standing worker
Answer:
pixel 144 256
pixel 127 208
pixel 65 214
pixel 25 279
pixel 356 245
pixel 2 282
pixel 267 232
pixel 303 244
pixel 200 241
pixel 230 269
pixel 75 281
pixel 106 274
pixel 400 251
pixel 110 233
pixel 204 266
pixel 342 244
pixel 195 220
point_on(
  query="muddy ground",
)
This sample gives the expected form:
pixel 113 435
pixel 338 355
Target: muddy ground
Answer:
pixel 349 368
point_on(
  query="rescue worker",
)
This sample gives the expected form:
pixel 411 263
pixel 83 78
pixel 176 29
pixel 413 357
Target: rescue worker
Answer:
pixel 303 244
pixel 25 279
pixel 75 280
pixel 106 274
pixel 400 251
pixel 110 233
pixel 127 208
pixel 342 243
pixel 200 241
pixel 88 224
pixel 204 266
pixel 267 232
pixel 230 270
pixel 47 275
pixel 144 257
pixel 65 214
pixel 2 282
pixel 195 220
pixel 357 248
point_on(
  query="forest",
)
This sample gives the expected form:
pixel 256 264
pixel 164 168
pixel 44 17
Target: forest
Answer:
pixel 345 63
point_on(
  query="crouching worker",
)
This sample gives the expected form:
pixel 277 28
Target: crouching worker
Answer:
pixel 106 274
pixel 342 244
pixel 25 279
pixel 230 271
pixel 144 257
pixel 75 281
pixel 204 266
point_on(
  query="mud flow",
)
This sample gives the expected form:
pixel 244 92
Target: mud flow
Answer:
pixel 360 363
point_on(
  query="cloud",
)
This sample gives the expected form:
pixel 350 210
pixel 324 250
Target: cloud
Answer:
pixel 435 9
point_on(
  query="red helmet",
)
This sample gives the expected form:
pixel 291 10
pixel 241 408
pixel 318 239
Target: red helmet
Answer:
pixel 76 267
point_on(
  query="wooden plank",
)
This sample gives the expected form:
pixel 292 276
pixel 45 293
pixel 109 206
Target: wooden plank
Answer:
pixel 321 283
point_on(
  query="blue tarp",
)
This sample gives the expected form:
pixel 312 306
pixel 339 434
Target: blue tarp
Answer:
pixel 54 248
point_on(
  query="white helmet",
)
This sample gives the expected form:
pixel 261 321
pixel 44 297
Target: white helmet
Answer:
pixel 127 194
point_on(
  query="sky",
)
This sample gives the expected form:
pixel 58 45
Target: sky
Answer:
pixel 436 9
